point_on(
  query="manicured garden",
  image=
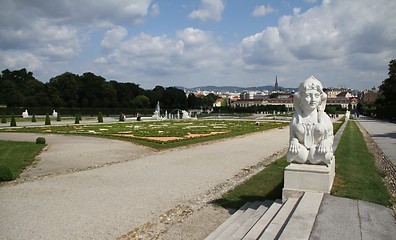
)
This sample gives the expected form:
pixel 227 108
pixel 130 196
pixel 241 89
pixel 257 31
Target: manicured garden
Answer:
pixel 159 134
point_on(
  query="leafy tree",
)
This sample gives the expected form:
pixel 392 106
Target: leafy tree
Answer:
pixel 142 101
pixel 386 102
pixel 174 98
pixel 209 99
pixel 64 89
pixel 194 101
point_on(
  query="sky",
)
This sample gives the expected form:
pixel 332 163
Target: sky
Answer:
pixel 193 43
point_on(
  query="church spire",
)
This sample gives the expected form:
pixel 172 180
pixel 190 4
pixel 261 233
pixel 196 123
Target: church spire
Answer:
pixel 276 83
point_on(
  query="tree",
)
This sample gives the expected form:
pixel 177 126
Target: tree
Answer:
pixel 13 121
pixel 47 120
pixel 142 101
pixel 100 117
pixel 386 102
pixel 77 119
pixel 3 118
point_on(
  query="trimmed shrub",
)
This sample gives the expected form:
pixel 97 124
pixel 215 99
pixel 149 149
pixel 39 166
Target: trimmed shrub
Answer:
pixel 47 120
pixel 77 119
pixel 3 118
pixel 34 118
pixel 13 121
pixel 40 140
pixel 5 173
pixel 58 118
pixel 100 117
pixel 79 116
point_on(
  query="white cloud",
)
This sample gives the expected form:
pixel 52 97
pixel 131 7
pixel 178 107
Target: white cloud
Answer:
pixel 262 10
pixel 54 31
pixel 114 36
pixel 155 9
pixel 210 10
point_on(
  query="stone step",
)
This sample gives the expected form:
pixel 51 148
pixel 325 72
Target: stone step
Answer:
pixel 263 222
pixel 301 222
pixel 294 219
pixel 251 221
pixel 234 226
pixel 277 224
pixel 228 222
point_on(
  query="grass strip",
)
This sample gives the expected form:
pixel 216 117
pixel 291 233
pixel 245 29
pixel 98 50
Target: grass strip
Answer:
pixel 356 174
pixel 17 155
pixel 267 184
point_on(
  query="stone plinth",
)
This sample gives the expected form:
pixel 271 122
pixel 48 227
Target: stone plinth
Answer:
pixel 300 178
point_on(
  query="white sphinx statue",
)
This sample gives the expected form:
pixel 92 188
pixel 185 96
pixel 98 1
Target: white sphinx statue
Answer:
pixel 311 130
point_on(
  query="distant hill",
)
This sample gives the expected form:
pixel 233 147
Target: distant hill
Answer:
pixel 233 88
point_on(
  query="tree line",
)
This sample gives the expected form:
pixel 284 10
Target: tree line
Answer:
pixel 19 88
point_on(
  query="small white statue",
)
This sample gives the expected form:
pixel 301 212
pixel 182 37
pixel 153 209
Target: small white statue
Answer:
pixel 54 114
pixel 185 115
pixel 311 130
pixel 347 115
pixel 25 114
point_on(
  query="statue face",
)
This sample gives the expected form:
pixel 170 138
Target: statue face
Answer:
pixel 310 99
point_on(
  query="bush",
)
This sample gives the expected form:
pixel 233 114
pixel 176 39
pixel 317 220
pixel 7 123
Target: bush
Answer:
pixel 77 119
pixel 13 121
pixel 47 120
pixel 40 140
pixel 58 118
pixel 3 118
pixel 100 117
pixel 34 118
pixel 5 173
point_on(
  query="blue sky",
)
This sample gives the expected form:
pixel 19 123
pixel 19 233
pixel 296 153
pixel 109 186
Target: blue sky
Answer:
pixel 202 42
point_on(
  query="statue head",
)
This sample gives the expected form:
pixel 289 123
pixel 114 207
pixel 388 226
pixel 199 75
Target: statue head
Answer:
pixel 310 96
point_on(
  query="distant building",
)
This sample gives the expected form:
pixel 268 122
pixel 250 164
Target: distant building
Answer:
pixel 370 96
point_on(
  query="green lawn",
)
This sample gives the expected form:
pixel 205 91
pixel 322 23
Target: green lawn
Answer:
pixel 17 155
pixel 356 176
pixel 267 184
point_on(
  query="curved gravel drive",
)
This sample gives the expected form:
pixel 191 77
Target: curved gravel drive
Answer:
pixel 109 201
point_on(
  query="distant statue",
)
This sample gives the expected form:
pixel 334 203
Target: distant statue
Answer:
pixel 25 114
pixel 185 115
pixel 311 130
pixel 347 115
pixel 54 113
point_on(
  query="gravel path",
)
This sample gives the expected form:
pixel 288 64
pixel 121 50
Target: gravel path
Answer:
pixel 109 201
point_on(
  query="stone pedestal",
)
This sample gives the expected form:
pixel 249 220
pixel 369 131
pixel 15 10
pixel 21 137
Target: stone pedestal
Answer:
pixel 300 178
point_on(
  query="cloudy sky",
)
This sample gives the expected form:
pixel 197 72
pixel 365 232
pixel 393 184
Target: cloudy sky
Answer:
pixel 202 42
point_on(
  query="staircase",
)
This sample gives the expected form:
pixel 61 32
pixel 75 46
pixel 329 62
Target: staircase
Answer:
pixel 293 219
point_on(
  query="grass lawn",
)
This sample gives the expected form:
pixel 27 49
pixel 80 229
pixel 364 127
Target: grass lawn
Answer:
pixel 356 176
pixel 267 184
pixel 160 134
pixel 17 155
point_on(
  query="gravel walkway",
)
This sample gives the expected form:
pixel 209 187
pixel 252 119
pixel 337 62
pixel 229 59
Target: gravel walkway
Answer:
pixel 108 201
